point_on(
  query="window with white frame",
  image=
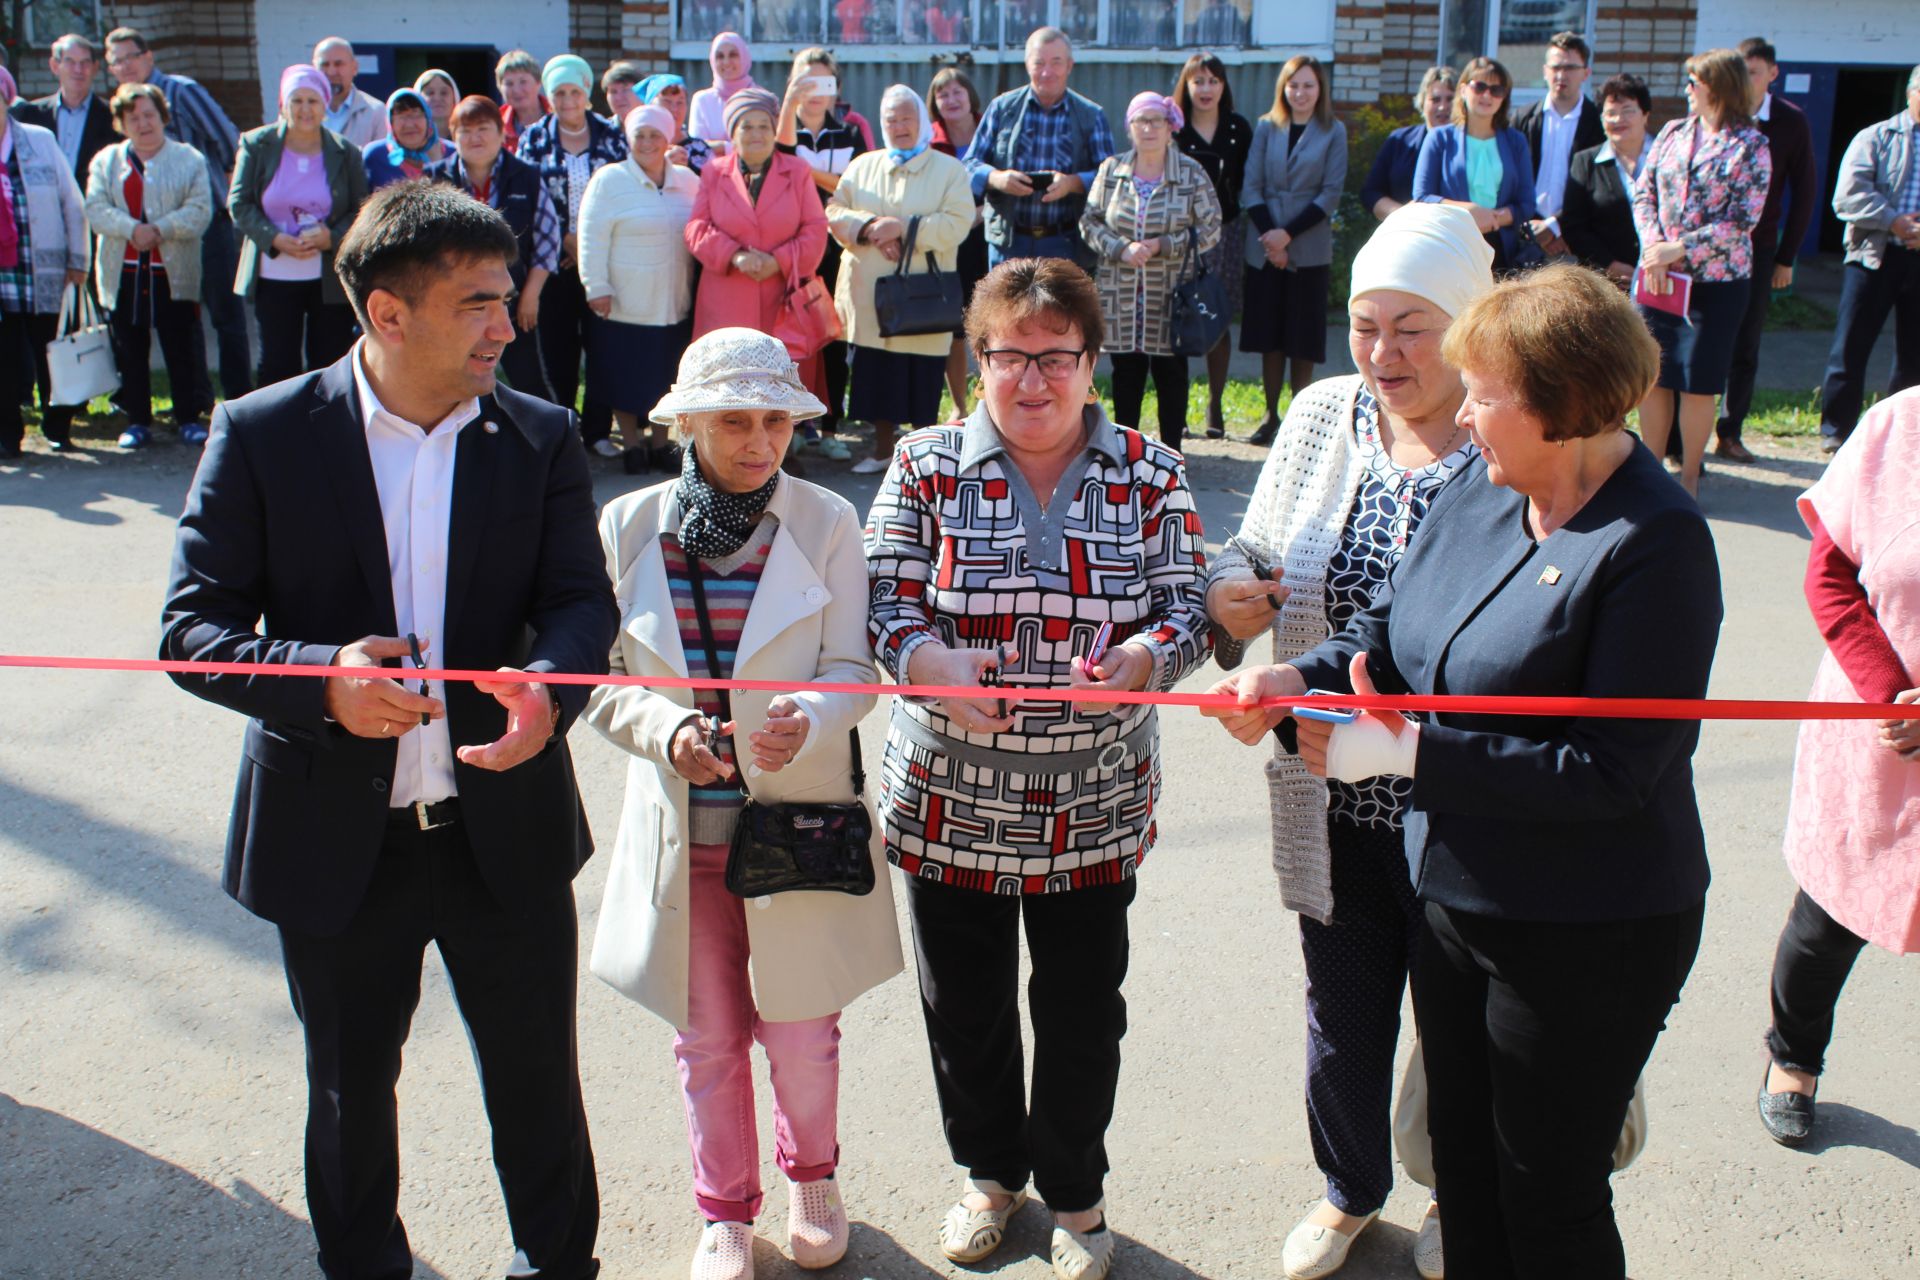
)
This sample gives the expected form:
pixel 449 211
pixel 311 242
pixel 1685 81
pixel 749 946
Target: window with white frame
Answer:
pixel 1514 31
pixel 1125 24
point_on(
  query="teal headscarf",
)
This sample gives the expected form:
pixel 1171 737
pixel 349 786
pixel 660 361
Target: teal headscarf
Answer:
pixel 566 68
pixel 655 85
pixel 397 154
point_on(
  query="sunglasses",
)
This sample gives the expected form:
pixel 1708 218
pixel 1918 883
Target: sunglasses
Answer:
pixel 1494 88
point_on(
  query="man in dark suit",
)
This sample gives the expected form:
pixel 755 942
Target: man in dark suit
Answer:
pixel 1775 243
pixel 77 115
pixel 1557 126
pixel 399 494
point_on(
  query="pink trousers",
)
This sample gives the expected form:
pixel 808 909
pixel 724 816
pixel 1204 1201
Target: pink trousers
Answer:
pixel 716 1072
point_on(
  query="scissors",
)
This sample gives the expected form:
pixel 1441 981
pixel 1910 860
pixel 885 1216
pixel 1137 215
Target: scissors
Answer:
pixel 993 679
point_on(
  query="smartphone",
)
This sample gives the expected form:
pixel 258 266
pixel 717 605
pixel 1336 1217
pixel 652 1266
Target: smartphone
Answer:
pixel 1330 715
pixel 1040 181
pixel 1098 649
pixel 824 86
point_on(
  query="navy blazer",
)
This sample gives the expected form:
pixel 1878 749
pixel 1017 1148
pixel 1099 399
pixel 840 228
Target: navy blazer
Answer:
pixel 1549 818
pixel 283 527
pixel 1393 165
pixel 1441 174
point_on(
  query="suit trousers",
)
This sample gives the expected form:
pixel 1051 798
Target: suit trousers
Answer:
pixel 1746 349
pixel 1866 299
pixel 219 260
pixel 564 318
pixel 967 946
pixel 1534 1034
pixel 1810 966
pixel 513 972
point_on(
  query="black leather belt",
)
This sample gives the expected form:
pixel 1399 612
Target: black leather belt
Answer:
pixel 1040 233
pixel 421 816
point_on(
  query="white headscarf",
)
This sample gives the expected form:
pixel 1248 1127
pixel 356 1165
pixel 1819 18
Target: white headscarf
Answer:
pixel 901 93
pixel 1433 251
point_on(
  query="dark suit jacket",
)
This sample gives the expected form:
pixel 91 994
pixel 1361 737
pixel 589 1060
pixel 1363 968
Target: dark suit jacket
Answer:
pixel 97 133
pixel 283 525
pixel 1791 142
pixel 1561 818
pixel 1587 131
pixel 1596 217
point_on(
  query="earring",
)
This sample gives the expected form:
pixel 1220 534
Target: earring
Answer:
pixel 1093 395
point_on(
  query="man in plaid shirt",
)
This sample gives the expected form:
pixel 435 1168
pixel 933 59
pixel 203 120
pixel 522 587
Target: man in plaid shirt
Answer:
pixel 1034 156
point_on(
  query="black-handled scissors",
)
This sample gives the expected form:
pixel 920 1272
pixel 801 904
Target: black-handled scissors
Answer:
pixel 994 679
pixel 420 664
pixel 1259 566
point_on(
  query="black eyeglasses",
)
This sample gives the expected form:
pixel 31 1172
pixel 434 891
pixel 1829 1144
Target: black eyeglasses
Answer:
pixel 1054 365
pixel 1481 86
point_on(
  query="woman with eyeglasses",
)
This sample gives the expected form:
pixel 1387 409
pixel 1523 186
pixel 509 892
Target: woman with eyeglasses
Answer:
pixel 1700 192
pixel 1481 164
pixel 1041 545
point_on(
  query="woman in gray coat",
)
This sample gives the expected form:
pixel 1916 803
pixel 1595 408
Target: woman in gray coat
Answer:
pixel 1295 173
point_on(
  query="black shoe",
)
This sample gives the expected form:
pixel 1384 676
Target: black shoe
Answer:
pixel 8 452
pixel 1787 1117
pixel 1264 435
pixel 1830 444
pixel 665 459
pixel 634 461
pixel 1216 425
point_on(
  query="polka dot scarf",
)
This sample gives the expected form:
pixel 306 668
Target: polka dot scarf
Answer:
pixel 715 524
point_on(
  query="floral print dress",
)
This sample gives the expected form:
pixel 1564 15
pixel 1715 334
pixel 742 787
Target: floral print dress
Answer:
pixel 1706 190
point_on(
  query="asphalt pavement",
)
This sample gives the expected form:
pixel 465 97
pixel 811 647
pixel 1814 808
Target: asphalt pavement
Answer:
pixel 151 1086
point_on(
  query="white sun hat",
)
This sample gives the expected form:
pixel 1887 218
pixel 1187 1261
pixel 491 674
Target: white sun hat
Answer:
pixel 737 369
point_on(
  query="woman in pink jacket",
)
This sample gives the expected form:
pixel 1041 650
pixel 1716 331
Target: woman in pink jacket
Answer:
pixel 757 226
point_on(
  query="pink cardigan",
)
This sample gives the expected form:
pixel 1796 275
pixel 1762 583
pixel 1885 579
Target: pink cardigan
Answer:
pixel 788 222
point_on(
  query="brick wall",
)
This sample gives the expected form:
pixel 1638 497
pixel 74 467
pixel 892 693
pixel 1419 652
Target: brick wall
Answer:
pixel 1409 43
pixel 1651 39
pixel 1358 31
pixel 646 31
pixel 594 29
pixel 210 40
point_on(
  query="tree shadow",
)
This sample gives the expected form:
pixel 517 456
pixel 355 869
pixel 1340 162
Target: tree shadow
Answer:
pixel 1840 1125
pixel 84 1203
pixel 73 486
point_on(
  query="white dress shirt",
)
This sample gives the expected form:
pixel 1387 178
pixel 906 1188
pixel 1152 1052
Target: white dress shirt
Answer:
pixel 1556 153
pixel 413 472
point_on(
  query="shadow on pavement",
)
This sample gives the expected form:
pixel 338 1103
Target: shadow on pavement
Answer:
pixel 1844 1126
pixel 73 486
pixel 84 1203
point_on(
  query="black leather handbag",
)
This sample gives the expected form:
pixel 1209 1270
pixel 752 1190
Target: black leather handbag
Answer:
pixel 1197 307
pixel 778 848
pixel 910 304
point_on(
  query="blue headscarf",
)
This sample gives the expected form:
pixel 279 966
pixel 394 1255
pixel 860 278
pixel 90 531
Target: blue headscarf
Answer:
pixel 654 85
pixel 397 154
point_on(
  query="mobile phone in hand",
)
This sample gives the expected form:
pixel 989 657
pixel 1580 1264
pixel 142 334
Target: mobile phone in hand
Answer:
pixel 1098 649
pixel 1329 715
pixel 1040 181
pixel 824 86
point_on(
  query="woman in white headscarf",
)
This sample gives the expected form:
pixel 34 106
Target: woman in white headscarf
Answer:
pixel 442 96
pixel 1356 465
pixel 886 198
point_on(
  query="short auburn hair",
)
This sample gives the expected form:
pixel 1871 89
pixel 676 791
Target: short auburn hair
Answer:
pixel 1050 292
pixel 1570 345
pixel 127 94
pixel 473 111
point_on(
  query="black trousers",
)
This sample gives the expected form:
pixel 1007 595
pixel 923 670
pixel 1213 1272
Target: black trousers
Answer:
pixel 513 972
pixel 967 947
pixel 134 329
pixel 1169 384
pixel 564 317
pixel 1810 966
pixel 1866 299
pixel 23 365
pixel 1534 1035
pixel 1738 397
pixel 219 259
pixel 295 318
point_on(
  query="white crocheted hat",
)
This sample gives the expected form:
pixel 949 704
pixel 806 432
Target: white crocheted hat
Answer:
pixel 737 369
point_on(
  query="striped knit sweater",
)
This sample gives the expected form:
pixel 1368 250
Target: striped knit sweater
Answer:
pixel 730 583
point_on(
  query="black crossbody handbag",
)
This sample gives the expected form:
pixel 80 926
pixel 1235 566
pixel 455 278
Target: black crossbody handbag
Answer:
pixel 910 305
pixel 1197 308
pixel 778 848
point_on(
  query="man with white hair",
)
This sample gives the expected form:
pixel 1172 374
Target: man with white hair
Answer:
pixel 1878 197
pixel 1034 156
pixel 354 114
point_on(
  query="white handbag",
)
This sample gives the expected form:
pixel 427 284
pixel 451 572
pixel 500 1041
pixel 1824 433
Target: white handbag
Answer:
pixel 1415 1148
pixel 80 362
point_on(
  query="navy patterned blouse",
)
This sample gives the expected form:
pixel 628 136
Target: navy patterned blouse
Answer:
pixel 1389 506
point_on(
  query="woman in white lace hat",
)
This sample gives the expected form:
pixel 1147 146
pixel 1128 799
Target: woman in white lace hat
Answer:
pixel 779 565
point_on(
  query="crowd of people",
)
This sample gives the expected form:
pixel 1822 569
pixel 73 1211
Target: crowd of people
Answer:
pixel 1467 514
pixel 1699 220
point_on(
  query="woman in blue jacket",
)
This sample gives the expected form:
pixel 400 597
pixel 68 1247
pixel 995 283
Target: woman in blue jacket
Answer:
pixel 1480 164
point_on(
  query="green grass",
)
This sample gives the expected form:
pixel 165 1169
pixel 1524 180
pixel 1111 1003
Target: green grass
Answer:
pixel 1791 311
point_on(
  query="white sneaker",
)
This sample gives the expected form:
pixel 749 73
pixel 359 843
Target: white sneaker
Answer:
pixel 606 448
pixel 1428 1259
pixel 869 466
pixel 1313 1251
pixel 1084 1255
pixel 816 1223
pixel 725 1252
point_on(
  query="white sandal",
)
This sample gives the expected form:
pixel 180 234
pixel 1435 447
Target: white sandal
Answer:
pixel 816 1223
pixel 1084 1255
pixel 725 1252
pixel 968 1235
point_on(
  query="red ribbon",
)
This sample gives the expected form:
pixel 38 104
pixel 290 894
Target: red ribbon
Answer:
pixel 1452 704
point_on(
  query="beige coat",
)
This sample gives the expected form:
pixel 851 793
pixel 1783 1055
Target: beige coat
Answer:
pixel 933 185
pixel 812 952
pixel 175 200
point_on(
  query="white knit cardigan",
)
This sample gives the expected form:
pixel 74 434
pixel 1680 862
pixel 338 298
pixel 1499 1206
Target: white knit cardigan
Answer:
pixel 1294 521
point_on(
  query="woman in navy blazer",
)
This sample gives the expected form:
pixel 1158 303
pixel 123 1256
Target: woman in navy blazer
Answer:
pixel 1389 183
pixel 1447 169
pixel 1560 858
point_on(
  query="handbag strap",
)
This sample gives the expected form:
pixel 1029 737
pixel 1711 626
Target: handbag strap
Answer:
pixel 906 253
pixel 696 577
